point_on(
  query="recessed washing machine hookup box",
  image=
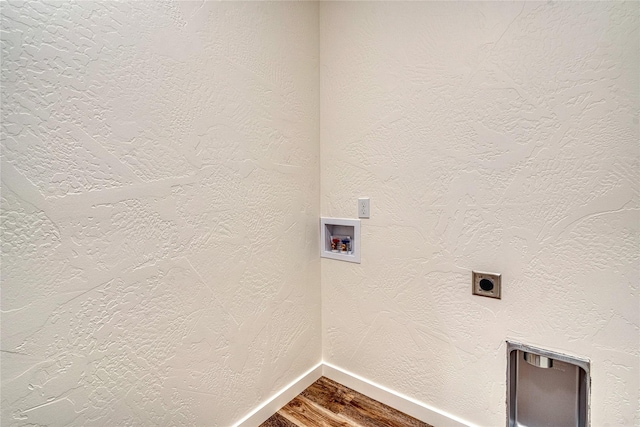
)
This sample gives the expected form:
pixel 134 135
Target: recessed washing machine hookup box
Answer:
pixel 340 239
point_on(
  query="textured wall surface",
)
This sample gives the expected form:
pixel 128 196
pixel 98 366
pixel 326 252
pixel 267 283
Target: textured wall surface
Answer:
pixel 160 205
pixel 160 195
pixel 491 136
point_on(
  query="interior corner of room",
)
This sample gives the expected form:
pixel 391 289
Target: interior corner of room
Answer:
pixel 182 234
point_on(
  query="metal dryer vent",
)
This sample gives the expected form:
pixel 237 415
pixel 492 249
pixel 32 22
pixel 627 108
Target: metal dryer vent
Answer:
pixel 546 388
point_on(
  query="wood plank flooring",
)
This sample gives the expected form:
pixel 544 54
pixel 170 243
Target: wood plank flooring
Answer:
pixel 327 403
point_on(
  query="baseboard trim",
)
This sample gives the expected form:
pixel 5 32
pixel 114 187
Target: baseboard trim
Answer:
pixel 396 400
pixel 392 398
pixel 281 398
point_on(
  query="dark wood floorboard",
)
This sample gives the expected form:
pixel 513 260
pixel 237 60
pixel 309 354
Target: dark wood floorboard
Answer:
pixel 327 403
pixel 277 420
pixel 304 412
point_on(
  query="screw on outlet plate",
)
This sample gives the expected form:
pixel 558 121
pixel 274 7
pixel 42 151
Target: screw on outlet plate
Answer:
pixel 487 284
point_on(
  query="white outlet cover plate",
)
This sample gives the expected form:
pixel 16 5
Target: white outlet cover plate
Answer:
pixel 363 207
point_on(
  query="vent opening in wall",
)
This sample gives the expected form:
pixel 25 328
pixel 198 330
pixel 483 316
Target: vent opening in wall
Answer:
pixel 340 239
pixel 545 388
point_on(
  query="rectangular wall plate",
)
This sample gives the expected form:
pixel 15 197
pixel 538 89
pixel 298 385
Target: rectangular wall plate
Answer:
pixel 363 207
pixel 487 284
pixel 340 229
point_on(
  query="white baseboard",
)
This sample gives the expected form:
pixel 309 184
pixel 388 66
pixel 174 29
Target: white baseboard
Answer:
pixel 378 392
pixel 273 405
pixel 394 399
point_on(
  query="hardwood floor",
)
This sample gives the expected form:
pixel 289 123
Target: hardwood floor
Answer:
pixel 327 403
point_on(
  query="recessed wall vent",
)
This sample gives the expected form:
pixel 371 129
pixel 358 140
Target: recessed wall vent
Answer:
pixel 545 388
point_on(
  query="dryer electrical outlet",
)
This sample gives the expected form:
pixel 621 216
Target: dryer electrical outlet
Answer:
pixel 487 284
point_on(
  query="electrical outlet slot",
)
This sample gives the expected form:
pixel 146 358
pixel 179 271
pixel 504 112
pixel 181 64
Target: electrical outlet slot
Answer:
pixel 363 207
pixel 487 284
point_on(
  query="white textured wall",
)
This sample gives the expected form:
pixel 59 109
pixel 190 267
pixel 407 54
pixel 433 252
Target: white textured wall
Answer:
pixel 160 202
pixel 492 136
pixel 159 209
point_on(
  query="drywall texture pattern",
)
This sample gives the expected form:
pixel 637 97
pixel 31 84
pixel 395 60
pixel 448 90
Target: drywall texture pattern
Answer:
pixel 492 136
pixel 159 209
